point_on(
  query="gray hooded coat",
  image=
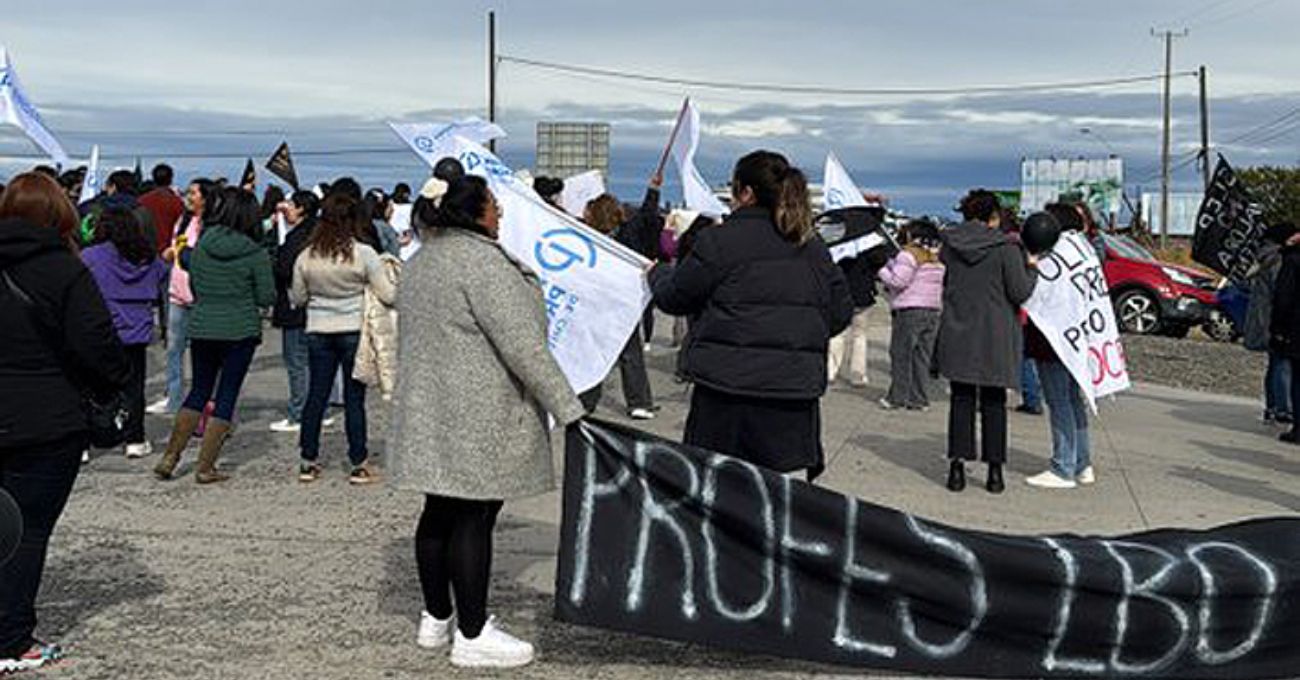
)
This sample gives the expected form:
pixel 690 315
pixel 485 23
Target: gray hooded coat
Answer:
pixel 987 279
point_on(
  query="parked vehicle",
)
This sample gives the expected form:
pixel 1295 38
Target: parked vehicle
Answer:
pixel 1151 296
pixel 1229 317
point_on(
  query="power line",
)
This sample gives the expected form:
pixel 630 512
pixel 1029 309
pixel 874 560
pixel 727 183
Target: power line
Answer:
pixel 1224 18
pixel 846 91
pixel 1265 127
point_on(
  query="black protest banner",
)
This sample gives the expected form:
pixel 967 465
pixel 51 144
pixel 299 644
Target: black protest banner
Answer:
pixel 1228 226
pixel 675 542
pixel 281 165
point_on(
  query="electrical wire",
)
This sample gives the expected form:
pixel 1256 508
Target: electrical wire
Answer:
pixel 843 91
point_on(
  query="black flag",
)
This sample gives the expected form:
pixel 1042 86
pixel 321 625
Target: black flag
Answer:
pixel 139 173
pixel 850 232
pixel 1229 226
pixel 249 179
pixel 281 165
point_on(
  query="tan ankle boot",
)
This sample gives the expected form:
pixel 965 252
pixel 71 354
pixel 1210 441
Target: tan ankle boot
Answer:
pixel 213 438
pixel 186 422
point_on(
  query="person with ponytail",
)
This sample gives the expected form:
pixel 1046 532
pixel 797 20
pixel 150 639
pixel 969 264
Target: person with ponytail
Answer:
pixel 469 421
pixel 768 300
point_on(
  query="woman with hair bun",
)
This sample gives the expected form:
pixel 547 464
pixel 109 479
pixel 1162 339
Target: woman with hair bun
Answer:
pixel 768 300
pixel 470 413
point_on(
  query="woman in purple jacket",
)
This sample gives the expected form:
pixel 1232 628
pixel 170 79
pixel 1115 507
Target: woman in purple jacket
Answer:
pixel 914 279
pixel 130 276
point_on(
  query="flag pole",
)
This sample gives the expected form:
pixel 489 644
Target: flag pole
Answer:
pixel 672 139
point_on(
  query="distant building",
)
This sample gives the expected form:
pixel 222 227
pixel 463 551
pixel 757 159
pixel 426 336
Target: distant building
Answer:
pixel 566 149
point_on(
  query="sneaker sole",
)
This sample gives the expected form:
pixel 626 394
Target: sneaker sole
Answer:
pixel 464 660
pixel 427 643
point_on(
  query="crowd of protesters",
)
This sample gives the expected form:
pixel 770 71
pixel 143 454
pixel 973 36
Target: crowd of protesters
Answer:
pixel 764 320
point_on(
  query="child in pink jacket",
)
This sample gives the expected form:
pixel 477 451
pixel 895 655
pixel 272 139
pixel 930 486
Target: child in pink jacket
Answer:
pixel 914 281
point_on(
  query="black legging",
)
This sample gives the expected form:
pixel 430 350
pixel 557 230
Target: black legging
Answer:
pixel 992 404
pixel 453 551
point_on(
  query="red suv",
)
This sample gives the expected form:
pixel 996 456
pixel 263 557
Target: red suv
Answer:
pixel 1151 296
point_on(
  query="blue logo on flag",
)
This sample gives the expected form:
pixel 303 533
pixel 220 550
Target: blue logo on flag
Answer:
pixel 559 249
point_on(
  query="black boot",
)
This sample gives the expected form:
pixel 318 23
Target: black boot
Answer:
pixel 957 476
pixel 995 483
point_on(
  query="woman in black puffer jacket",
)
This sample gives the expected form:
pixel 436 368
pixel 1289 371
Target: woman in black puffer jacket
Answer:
pixel 45 291
pixel 769 299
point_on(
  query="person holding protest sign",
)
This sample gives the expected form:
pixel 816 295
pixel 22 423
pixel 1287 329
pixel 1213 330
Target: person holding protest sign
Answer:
pixel 330 279
pixel 769 299
pixel 979 351
pixel 470 413
pixel 1071 462
pixel 914 279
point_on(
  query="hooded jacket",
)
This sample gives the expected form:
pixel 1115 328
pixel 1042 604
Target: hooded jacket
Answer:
pixel 128 289
pixel 41 400
pixel 230 274
pixel 987 279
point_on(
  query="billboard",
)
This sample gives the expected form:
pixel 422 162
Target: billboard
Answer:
pixel 568 149
pixel 1097 181
pixel 1182 212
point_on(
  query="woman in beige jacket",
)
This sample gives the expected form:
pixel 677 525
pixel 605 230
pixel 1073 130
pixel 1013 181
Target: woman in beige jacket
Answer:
pixel 470 415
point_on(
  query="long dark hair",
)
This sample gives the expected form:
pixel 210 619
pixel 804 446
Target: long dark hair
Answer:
pixel 239 212
pixel 213 202
pixel 779 187
pixel 120 227
pixel 271 198
pixel 335 233
pixel 464 204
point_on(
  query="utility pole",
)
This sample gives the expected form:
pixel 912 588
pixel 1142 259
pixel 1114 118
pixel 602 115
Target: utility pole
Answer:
pixel 1205 129
pixel 492 75
pixel 1168 37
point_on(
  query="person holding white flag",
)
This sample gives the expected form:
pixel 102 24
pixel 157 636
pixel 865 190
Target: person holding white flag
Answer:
pixel 839 189
pixel 768 300
pixel 469 425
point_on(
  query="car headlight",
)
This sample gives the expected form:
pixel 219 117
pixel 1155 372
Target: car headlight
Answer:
pixel 1178 276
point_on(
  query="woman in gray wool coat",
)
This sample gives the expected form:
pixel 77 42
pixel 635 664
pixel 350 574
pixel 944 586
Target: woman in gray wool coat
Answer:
pixel 470 413
pixel 987 278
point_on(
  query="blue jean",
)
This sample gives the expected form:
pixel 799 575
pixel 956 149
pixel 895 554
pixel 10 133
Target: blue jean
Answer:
pixel 1068 414
pixel 326 353
pixel 1277 386
pixel 1030 388
pixel 293 343
pixel 178 321
pixel 219 366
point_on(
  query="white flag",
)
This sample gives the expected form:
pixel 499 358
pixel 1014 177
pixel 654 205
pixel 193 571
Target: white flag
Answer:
pixel 698 195
pixel 90 183
pixel 1071 306
pixel 427 138
pixel 580 189
pixel 17 109
pixel 839 189
pixel 594 288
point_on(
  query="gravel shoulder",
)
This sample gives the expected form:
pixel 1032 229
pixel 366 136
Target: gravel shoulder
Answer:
pixel 1196 364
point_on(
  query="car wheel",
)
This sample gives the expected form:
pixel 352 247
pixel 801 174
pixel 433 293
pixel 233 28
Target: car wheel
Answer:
pixel 1220 327
pixel 1137 312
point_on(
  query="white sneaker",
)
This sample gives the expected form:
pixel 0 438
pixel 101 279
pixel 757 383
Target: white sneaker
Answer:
pixel 434 633
pixel 139 450
pixel 158 408
pixel 285 425
pixel 1088 476
pixel 328 422
pixel 493 648
pixel 886 404
pixel 641 414
pixel 1050 480
pixel 85 457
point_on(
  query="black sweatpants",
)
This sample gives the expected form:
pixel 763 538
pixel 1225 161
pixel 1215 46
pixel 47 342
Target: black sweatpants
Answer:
pixel 453 551
pixel 135 356
pixel 992 405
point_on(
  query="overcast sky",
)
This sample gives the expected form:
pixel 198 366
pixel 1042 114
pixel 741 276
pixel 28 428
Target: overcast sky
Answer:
pixel 160 78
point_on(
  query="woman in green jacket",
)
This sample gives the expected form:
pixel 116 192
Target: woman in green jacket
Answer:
pixel 230 274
